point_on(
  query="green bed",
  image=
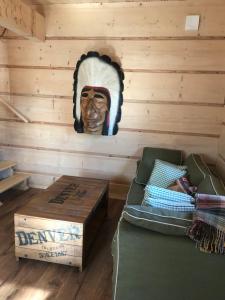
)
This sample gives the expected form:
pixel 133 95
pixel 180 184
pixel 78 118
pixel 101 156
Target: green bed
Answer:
pixel 153 266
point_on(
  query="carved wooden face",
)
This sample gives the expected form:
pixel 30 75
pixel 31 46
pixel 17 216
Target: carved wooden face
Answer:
pixel 94 106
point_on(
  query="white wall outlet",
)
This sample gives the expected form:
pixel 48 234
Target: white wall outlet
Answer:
pixel 192 23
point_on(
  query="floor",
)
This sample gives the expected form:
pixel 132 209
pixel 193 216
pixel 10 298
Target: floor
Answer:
pixel 35 280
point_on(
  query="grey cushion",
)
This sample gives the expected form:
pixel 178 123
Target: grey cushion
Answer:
pixel 148 159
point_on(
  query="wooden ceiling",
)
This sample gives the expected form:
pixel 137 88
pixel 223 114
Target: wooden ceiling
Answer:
pixel 46 2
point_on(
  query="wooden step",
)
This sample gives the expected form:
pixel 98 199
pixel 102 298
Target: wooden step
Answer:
pixel 6 164
pixel 12 181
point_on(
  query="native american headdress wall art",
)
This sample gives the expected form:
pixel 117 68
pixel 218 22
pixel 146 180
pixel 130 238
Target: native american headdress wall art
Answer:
pixel 98 88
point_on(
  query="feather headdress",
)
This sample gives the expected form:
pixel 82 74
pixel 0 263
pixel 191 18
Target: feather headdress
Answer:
pixel 99 71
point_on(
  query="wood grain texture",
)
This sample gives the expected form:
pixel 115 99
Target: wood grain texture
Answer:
pixel 41 256
pixel 76 208
pixel 71 250
pixel 97 166
pixel 141 55
pixel 13 110
pixel 85 3
pixel 117 2
pixel 144 116
pixel 22 19
pixel 13 181
pixel 59 224
pixel 118 191
pixel 43 136
pixel 27 222
pixel 30 279
pixel 38 28
pixel 74 164
pixel 152 19
pixel 4 72
pixel 4 80
pixel 3 52
pixel 174 86
pixel 190 88
pixel 6 164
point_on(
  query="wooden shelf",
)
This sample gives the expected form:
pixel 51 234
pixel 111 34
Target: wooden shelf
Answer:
pixel 12 181
pixel 6 164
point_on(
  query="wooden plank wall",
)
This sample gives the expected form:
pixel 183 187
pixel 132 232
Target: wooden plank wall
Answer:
pixel 174 86
pixel 4 71
pixel 4 80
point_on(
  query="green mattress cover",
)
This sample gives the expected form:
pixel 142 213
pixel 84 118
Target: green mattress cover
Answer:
pixel 153 266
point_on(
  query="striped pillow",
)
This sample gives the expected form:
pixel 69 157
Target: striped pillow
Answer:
pixel 158 219
pixel 164 173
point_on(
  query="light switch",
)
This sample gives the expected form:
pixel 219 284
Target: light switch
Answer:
pixel 192 23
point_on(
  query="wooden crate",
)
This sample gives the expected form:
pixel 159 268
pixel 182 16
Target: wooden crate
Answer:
pixel 59 224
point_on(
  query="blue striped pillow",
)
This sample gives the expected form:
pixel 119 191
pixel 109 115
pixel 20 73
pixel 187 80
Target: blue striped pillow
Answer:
pixel 169 199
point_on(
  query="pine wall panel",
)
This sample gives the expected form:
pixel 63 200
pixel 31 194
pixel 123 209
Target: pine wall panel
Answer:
pixel 174 86
pixel 4 83
pixel 4 71
pixel 156 19
pixel 138 86
pixel 144 55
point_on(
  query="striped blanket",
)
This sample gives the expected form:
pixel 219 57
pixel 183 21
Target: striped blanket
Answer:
pixel 208 228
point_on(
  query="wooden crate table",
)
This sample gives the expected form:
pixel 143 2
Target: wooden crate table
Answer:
pixel 60 223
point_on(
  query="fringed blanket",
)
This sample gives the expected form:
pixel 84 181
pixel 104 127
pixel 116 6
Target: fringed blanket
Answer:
pixel 208 228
